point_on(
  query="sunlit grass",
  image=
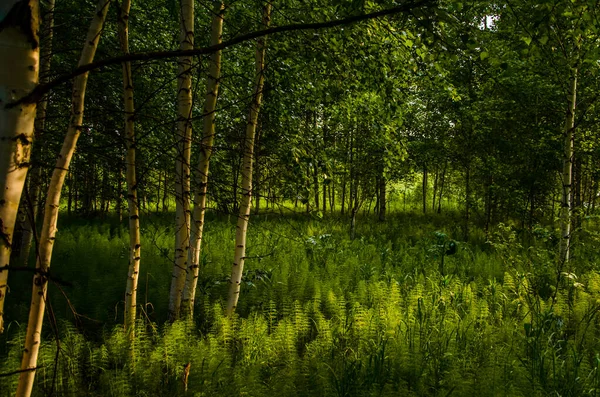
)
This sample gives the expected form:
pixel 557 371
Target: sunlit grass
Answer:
pixel 321 314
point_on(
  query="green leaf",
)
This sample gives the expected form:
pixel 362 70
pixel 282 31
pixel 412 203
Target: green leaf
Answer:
pixel 483 55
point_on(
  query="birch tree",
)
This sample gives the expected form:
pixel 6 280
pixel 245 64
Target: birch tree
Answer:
pixel 132 199
pixel 49 227
pixel 19 67
pixel 567 173
pixel 206 145
pixel 30 206
pixel 182 163
pixel 248 157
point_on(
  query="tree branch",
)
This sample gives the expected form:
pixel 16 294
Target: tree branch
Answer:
pixel 40 90
pixel 20 371
pixel 44 273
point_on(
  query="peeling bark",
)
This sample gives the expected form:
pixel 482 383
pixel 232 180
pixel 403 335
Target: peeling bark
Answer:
pixel 19 67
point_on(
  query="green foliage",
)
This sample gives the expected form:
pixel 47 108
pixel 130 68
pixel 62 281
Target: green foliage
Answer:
pixel 324 315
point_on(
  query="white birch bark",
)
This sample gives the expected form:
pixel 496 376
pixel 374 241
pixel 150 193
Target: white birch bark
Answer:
pixel 208 136
pixel 49 227
pixel 244 213
pixel 19 68
pixel 567 174
pixel 35 176
pixel 182 163
pixel 132 200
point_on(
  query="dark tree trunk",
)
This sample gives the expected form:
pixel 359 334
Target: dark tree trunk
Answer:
pixel 332 195
pixel 165 197
pixel 316 183
pixel 382 198
pixel 467 202
pixel 435 188
pixel 424 189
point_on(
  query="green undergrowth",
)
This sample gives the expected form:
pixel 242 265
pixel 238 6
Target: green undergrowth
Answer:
pixel 393 312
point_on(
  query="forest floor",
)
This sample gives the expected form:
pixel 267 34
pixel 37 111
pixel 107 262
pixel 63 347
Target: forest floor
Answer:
pixel 393 312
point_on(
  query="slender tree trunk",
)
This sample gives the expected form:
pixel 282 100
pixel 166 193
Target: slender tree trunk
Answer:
pixel 424 190
pixel 244 215
pixel 132 199
pixel 594 195
pixel 158 183
pixel 118 195
pixel 19 67
pixel 70 193
pixel 467 201
pixel 165 201
pixel 435 188
pixel 316 183
pixel 567 174
pixel 40 282
pixel 382 198
pixel 577 207
pixel 182 164
pixel 324 197
pixel 307 188
pixel 488 206
pixel 353 202
pixel 208 136
pixel 104 193
pixel 343 198
pixel 33 207
pixel 332 195
pixel 439 209
pixel 585 197
pixel 354 212
pixel 532 207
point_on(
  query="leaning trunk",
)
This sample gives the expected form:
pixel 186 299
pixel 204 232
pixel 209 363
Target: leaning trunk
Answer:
pixel 19 68
pixel 244 213
pixel 40 281
pixel 182 163
pixel 567 175
pixel 208 136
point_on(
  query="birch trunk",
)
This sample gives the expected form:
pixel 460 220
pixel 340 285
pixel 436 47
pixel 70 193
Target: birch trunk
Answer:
pixel 132 200
pixel 244 213
pixel 35 177
pixel 38 296
pixel 567 174
pixel 19 67
pixel 208 136
pixel 28 206
pixel 182 163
